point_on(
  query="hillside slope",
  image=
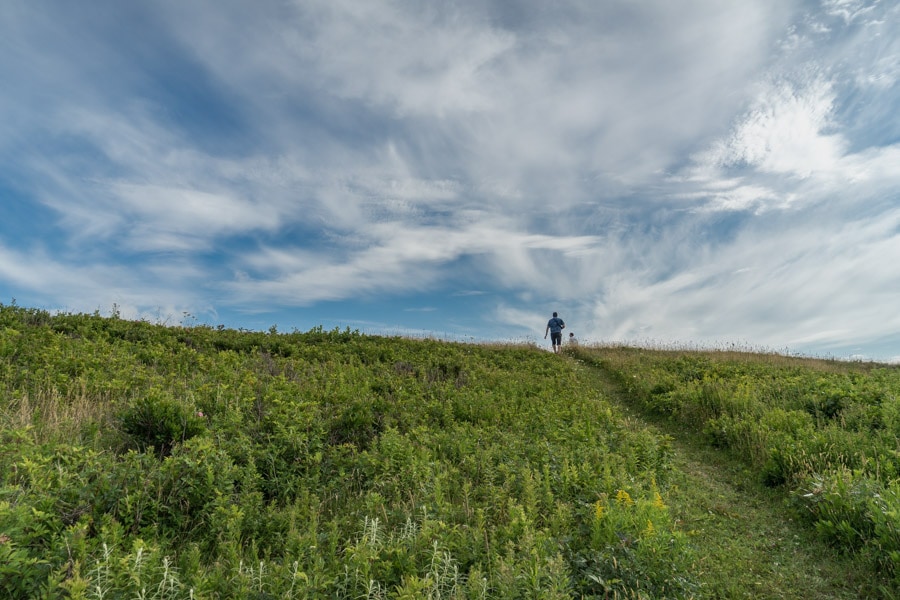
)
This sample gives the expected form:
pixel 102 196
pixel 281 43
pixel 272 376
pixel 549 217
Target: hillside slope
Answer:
pixel 746 541
pixel 145 461
pixel 788 466
pixel 142 461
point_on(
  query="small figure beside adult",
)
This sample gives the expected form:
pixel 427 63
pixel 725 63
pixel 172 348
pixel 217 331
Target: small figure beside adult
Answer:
pixel 554 327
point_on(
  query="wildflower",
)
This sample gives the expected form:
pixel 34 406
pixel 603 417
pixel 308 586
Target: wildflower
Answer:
pixel 658 501
pixel 199 413
pixel 598 510
pixel 650 530
pixel 622 497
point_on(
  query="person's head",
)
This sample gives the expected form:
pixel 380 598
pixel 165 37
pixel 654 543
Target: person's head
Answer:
pixel 571 334
pixel 555 315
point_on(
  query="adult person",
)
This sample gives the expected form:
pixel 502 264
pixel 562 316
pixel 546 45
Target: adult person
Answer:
pixel 554 328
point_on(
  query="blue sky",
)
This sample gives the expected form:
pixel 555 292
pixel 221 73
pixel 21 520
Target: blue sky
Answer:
pixel 690 173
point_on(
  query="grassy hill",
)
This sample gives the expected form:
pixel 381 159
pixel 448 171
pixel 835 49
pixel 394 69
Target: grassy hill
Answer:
pixel 141 461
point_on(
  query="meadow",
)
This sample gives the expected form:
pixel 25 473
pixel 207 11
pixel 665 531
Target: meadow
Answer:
pixel 145 461
pixel 823 433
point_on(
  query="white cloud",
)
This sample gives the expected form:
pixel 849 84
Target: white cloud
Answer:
pixel 848 10
pixel 829 284
pixel 363 51
pixel 401 256
pixel 159 212
pixel 35 270
pixel 784 132
pixel 499 107
pixel 75 286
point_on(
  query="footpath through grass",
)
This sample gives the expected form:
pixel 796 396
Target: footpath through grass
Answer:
pixel 747 543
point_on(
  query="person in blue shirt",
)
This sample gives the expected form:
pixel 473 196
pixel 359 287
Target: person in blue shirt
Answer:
pixel 554 328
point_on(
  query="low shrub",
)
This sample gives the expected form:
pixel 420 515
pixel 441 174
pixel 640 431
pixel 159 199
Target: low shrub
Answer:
pixel 856 513
pixel 159 421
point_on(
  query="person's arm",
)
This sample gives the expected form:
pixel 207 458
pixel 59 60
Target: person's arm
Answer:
pixel 546 331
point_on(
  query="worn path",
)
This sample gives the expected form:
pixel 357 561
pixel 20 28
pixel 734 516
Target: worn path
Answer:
pixel 747 542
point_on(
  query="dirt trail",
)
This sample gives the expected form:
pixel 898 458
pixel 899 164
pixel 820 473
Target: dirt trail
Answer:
pixel 748 544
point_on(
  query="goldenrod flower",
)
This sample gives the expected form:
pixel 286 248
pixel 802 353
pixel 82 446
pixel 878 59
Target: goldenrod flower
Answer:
pixel 622 497
pixel 658 501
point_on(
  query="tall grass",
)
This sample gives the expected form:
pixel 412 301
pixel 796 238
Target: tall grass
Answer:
pixel 51 415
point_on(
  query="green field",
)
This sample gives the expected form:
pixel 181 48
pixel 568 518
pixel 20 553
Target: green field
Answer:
pixel 143 461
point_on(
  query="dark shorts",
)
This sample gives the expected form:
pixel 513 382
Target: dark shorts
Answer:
pixel 556 338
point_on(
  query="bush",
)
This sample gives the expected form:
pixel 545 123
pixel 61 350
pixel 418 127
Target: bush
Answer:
pixel 159 421
pixel 24 535
pixel 195 479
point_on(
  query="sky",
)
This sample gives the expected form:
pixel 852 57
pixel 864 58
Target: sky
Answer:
pixel 677 174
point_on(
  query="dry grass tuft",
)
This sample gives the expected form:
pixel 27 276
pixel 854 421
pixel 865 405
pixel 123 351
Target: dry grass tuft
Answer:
pixel 53 416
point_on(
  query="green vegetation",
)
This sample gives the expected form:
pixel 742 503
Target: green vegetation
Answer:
pixel 142 461
pixel 823 434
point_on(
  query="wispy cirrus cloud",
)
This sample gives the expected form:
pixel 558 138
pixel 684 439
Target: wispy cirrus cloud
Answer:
pixel 392 257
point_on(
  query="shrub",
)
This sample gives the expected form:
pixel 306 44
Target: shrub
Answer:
pixel 24 535
pixel 159 421
pixel 194 480
pixel 856 513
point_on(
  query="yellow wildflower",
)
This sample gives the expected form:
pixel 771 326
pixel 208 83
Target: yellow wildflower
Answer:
pixel 622 497
pixel 598 510
pixel 658 501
